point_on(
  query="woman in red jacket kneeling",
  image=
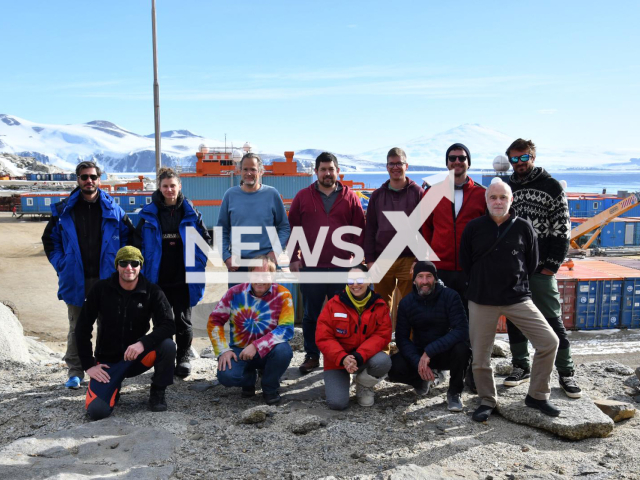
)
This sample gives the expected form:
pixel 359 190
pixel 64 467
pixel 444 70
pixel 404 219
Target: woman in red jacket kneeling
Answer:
pixel 353 329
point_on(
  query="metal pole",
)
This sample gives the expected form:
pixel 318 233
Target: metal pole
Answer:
pixel 156 91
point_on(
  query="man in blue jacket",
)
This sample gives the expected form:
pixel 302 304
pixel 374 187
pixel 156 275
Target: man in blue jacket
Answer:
pixel 81 240
pixel 432 333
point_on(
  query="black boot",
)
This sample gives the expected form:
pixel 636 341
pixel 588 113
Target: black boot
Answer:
pixel 183 367
pixel 157 402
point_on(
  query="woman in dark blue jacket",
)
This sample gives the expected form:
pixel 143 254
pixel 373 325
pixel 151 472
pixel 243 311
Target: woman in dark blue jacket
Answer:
pixel 162 233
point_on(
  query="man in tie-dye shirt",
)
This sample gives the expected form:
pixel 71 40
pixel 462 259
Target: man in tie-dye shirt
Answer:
pixel 261 316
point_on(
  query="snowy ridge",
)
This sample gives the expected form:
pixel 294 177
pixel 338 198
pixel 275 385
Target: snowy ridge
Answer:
pixel 119 150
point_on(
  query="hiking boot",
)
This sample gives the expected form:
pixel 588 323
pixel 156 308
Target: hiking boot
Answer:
pixel 248 392
pixel 271 398
pixel 518 376
pixel 454 402
pixel 570 387
pixel 364 395
pixel 422 388
pixel 482 413
pixel 183 366
pixel 73 383
pixel 545 406
pixel 309 364
pixel 157 402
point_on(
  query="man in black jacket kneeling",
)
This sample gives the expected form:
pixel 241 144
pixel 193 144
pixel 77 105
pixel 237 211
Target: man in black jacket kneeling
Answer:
pixel 432 333
pixel 123 305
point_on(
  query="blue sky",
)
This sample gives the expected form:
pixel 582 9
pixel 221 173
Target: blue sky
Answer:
pixel 347 76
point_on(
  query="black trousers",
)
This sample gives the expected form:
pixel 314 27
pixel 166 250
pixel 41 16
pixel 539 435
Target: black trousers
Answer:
pixel 456 281
pixel 456 360
pixel 178 297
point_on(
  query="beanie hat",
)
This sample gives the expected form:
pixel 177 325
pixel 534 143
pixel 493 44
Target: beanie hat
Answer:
pixel 424 266
pixel 129 253
pixel 457 146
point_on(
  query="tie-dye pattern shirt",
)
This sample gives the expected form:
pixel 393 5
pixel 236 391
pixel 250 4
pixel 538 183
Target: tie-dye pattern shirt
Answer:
pixel 264 321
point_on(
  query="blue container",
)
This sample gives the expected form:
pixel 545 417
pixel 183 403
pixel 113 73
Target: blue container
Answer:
pixel 610 301
pixel 587 305
pixel 631 302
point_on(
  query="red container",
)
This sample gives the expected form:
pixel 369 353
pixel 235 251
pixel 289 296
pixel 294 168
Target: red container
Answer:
pixel 502 325
pixel 567 291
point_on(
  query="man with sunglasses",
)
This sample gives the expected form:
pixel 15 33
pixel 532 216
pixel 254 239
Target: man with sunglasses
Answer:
pixel 398 194
pixel 123 304
pixel 81 240
pixel 540 199
pixel 443 229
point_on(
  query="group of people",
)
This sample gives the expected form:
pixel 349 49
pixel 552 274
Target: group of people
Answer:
pixel 497 250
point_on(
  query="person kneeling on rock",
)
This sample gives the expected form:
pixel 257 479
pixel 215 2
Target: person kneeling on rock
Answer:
pixel 123 305
pixel 261 324
pixel 353 329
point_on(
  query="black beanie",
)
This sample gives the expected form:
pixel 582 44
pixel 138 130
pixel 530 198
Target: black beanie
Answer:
pixel 457 146
pixel 424 266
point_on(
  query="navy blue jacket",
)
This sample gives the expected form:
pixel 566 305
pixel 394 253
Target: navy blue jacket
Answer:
pixel 437 322
pixel 150 234
pixel 60 242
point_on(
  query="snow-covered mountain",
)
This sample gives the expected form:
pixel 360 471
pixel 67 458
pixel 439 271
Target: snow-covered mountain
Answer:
pixel 119 150
pixel 485 144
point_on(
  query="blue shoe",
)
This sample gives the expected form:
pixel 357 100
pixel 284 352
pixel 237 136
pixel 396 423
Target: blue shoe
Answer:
pixel 73 382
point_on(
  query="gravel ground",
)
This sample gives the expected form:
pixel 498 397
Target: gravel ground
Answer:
pixel 400 429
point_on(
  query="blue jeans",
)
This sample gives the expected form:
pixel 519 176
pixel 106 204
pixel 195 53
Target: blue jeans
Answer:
pixel 312 300
pixel 243 373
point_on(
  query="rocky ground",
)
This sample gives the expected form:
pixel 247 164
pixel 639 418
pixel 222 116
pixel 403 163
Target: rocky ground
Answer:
pixel 211 432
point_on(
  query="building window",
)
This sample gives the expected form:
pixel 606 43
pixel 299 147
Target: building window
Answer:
pixel 117 200
pixel 47 202
pixel 132 200
pixel 29 202
pixel 148 199
pixel 595 205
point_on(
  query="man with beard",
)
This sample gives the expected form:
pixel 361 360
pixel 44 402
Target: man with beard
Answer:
pixel 330 204
pixel 251 204
pixel 499 253
pixel 540 199
pixel 81 240
pixel 432 333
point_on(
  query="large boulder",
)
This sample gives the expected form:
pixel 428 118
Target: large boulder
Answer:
pixel 109 448
pixel 13 346
pixel 580 418
pixel 615 410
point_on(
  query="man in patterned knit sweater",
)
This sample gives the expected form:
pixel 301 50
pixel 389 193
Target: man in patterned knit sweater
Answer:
pixel 261 324
pixel 540 199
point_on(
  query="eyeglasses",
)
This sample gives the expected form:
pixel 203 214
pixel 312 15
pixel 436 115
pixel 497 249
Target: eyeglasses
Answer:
pixel 84 177
pixel 353 281
pixel 459 158
pixel 126 263
pixel 396 164
pixel 522 158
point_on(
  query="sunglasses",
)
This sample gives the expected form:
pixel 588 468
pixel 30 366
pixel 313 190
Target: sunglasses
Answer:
pixel 396 164
pixel 126 263
pixel 522 158
pixel 353 281
pixel 84 177
pixel 459 158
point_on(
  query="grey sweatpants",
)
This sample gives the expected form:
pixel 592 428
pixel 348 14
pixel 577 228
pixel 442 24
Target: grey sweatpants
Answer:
pixel 336 382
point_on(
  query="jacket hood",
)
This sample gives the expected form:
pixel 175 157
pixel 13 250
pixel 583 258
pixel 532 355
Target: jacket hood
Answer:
pixel 106 202
pixel 315 194
pixel 158 199
pixel 538 173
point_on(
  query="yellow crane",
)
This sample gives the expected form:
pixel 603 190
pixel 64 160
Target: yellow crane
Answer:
pixel 598 222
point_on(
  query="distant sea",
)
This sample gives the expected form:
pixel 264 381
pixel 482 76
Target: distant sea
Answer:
pixel 580 181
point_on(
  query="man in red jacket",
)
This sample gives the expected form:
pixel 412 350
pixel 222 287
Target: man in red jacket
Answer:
pixel 330 204
pixel 398 194
pixel 443 229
